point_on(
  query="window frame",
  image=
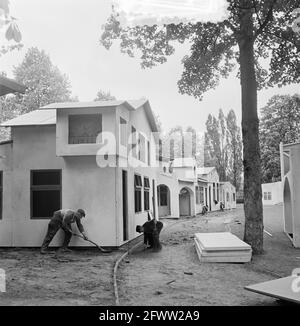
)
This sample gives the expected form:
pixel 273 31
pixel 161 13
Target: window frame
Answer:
pixel 138 191
pixel 147 194
pixel 142 148
pixel 134 141
pixel 123 132
pixel 44 188
pixel 70 116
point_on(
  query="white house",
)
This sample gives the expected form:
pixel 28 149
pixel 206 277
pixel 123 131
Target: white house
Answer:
pixel 290 176
pixel 272 193
pixel 183 189
pixel 55 160
pixel 99 156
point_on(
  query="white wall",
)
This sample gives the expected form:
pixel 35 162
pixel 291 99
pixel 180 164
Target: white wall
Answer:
pixel 276 191
pixel 6 221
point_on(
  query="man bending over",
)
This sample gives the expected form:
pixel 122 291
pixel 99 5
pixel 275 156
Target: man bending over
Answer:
pixel 63 219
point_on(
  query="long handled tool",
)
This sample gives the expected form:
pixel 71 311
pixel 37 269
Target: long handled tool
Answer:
pixel 94 243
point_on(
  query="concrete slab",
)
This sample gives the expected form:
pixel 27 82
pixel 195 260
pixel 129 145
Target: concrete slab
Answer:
pixel 222 259
pixel 279 289
pixel 221 241
pixel 223 253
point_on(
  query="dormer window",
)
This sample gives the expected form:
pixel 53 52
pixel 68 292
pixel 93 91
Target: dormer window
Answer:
pixel 84 128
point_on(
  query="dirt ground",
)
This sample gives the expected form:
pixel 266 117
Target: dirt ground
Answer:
pixel 175 276
pixel 80 278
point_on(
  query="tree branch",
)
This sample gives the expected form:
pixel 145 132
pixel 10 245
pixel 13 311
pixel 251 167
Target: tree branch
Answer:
pixel 269 17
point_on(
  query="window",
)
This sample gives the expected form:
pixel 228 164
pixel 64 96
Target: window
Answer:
pixel 267 196
pixel 148 154
pixel 163 196
pixel 138 193
pixel 123 132
pixel 218 198
pixel 45 193
pixel 84 128
pixel 233 196
pixel 197 196
pixel 142 145
pixel 214 191
pixel 201 195
pixel 146 194
pixel 133 142
pixel 1 194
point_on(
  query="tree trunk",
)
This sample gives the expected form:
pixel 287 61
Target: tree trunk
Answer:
pixel 250 128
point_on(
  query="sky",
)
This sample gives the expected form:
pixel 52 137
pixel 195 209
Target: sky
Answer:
pixel 69 31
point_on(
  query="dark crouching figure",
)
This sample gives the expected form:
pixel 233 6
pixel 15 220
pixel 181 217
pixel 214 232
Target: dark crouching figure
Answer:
pixel 151 230
pixel 63 219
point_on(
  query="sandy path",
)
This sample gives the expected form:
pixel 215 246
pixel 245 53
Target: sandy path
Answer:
pixel 175 276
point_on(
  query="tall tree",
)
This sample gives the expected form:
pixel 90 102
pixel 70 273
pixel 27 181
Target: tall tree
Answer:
pixel 280 122
pixel 253 30
pixel 104 96
pixel 235 150
pixel 218 145
pixel 44 83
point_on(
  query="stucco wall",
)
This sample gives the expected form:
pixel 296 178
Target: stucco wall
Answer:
pixel 6 221
pixel 275 189
pixel 33 149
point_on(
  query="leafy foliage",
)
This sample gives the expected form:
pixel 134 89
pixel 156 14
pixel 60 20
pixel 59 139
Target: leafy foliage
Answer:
pixel 44 83
pixel 104 96
pixel 214 46
pixel 280 122
pixel 223 147
pixel 12 32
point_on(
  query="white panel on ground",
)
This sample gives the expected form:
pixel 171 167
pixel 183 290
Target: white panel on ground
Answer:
pixel 282 288
pixel 222 248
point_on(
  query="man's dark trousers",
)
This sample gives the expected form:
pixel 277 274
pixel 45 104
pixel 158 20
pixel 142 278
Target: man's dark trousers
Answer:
pixel 54 225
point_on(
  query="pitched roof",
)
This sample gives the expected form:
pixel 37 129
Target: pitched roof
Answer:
pixel 47 114
pixel 205 170
pixel 8 86
pixel 81 105
pixel 34 118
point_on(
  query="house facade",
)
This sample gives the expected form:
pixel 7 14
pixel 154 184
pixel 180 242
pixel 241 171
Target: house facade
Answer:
pixel 54 161
pixel 183 189
pixel 290 176
pixel 99 156
pixel 272 193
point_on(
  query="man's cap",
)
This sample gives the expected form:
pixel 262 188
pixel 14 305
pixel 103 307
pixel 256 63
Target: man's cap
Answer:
pixel 81 211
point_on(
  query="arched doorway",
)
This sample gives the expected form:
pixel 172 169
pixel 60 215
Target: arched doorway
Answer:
pixel 163 198
pixel 185 202
pixel 288 213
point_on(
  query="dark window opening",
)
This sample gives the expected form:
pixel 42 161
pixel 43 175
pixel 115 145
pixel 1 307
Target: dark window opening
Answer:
pixel 45 193
pixel 138 193
pixel 146 194
pixel 84 128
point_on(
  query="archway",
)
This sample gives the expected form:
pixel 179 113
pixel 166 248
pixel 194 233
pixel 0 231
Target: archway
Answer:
pixel 288 213
pixel 185 202
pixel 163 198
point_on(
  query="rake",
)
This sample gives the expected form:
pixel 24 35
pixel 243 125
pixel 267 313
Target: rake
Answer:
pixel 94 243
